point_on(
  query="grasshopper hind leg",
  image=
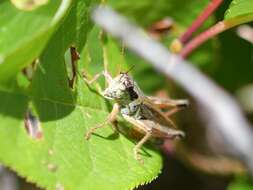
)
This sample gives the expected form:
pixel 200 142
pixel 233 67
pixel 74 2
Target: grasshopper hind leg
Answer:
pixel 158 132
pixel 151 129
pixel 137 148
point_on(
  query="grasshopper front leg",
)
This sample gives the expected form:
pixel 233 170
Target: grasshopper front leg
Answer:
pixel 105 73
pixel 110 119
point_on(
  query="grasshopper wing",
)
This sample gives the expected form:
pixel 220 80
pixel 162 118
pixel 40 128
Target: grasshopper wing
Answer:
pixel 153 113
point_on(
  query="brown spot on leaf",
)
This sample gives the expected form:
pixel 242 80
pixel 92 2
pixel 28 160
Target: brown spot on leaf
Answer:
pixel 28 5
pixel 52 167
pixel 59 186
pixel 32 125
pixel 50 152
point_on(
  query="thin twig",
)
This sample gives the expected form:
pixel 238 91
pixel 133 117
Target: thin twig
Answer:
pixel 203 37
pixel 223 111
pixel 213 31
pixel 211 7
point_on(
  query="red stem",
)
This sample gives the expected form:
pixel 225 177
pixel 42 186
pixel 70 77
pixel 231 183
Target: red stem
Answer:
pixel 204 36
pixel 211 7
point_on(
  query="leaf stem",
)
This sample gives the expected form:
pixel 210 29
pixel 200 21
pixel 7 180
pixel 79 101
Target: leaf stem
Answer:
pixel 211 7
pixel 212 31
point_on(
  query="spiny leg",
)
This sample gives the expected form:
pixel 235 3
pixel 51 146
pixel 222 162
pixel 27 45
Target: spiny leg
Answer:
pixel 178 107
pixel 172 111
pixel 139 145
pixel 166 103
pixel 105 73
pixel 144 126
pixel 110 119
pixel 151 129
pixel 89 82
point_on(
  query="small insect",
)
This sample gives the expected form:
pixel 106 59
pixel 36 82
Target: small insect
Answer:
pixel 143 112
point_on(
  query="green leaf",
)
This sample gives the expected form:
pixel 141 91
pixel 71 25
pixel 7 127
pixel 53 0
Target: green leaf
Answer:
pixel 24 34
pixel 241 183
pixel 62 158
pixel 145 13
pixel 240 8
pixel 235 62
pixel 138 10
pixel 239 12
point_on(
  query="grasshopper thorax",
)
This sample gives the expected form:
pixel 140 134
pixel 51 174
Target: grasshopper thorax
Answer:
pixel 122 89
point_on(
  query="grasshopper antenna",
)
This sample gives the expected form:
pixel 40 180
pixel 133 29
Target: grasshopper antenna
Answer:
pixel 131 68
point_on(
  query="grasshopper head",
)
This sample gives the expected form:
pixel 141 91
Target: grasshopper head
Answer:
pixel 121 89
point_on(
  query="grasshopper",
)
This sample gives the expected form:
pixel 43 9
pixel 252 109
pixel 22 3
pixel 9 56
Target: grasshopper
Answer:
pixel 143 112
